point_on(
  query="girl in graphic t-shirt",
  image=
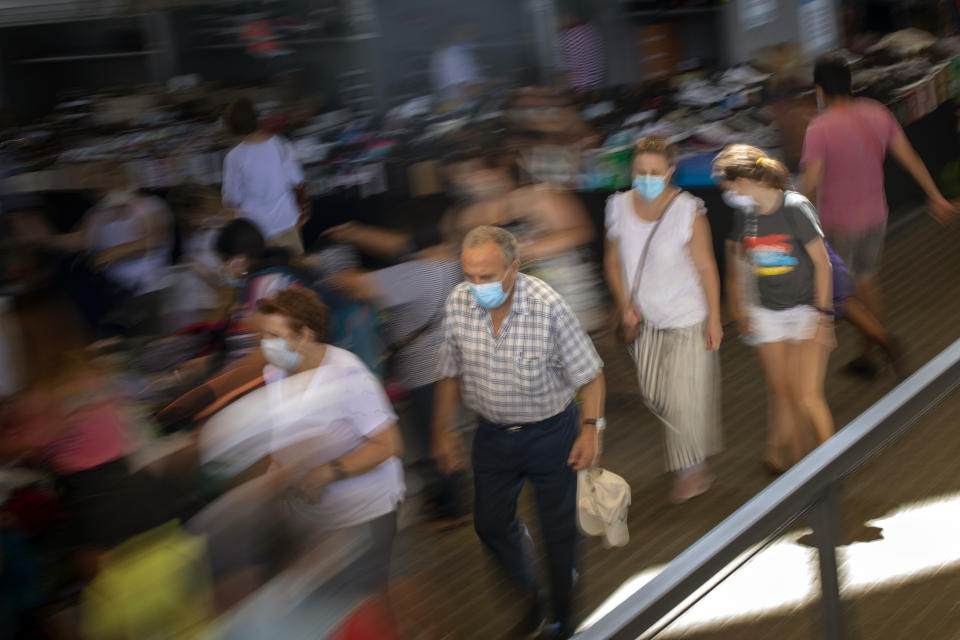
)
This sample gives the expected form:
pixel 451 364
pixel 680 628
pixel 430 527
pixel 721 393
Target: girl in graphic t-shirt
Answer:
pixel 785 305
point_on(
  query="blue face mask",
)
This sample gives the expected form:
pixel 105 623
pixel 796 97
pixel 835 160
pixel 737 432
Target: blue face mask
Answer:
pixel 231 282
pixel 489 295
pixel 649 187
pixel 277 353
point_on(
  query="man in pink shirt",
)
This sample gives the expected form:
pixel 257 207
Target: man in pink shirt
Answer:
pixel 842 164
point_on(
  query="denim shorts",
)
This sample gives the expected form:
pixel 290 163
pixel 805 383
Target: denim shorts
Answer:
pixel 794 324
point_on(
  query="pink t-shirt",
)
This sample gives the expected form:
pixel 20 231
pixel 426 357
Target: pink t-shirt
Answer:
pixel 82 440
pixel 852 143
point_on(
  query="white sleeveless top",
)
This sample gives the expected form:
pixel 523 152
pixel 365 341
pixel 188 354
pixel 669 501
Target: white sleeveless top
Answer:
pixel 670 294
pixel 109 229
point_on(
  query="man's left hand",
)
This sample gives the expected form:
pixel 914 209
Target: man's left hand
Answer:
pixel 584 453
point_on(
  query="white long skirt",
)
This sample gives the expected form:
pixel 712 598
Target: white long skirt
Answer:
pixel 680 384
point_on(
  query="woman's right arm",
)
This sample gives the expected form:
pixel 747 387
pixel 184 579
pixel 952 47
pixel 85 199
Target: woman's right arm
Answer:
pixel 613 269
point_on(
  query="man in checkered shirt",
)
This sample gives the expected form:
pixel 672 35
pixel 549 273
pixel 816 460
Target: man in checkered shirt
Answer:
pixel 515 352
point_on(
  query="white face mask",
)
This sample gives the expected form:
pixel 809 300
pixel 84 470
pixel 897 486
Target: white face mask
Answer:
pixel 737 201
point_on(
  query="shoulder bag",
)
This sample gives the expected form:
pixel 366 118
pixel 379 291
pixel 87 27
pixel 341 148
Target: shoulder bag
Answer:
pixel 628 335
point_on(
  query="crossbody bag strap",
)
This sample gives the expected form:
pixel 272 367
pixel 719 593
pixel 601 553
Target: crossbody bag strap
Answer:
pixel 646 247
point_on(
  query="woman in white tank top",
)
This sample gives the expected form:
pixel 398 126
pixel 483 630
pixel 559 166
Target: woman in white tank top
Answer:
pixel 663 277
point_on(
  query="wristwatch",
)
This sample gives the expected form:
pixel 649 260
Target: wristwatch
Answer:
pixel 599 423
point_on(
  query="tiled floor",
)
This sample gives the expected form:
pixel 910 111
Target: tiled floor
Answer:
pixel 449 585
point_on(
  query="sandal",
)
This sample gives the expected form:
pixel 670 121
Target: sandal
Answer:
pixel 775 459
pixel 689 486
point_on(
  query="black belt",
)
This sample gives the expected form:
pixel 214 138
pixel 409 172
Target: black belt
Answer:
pixel 513 428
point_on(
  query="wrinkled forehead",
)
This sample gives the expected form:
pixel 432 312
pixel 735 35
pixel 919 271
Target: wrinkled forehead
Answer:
pixel 486 256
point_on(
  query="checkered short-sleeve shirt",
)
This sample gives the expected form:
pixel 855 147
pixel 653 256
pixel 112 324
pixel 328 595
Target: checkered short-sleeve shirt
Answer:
pixel 529 372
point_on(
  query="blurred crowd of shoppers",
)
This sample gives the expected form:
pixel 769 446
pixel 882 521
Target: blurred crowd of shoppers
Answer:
pixel 302 387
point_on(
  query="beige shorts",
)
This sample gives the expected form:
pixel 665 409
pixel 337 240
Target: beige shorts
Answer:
pixel 289 240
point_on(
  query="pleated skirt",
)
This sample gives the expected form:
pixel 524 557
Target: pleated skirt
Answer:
pixel 680 384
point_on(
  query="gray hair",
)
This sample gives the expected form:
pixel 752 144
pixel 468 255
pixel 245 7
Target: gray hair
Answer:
pixel 501 237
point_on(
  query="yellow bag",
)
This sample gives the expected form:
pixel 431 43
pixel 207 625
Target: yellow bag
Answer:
pixel 155 585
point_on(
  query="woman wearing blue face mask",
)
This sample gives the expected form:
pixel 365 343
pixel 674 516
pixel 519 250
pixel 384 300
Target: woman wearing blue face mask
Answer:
pixel 663 277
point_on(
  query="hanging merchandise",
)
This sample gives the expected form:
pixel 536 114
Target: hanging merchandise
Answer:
pixel 756 13
pixel 817 22
pixel 262 40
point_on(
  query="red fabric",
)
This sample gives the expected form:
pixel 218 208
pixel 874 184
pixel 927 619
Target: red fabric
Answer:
pixel 260 37
pixel 200 327
pixel 371 621
pixel 34 510
pixel 851 142
pixel 82 440
pixel 395 390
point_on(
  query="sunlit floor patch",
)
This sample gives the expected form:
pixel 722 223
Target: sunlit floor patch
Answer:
pixel 918 540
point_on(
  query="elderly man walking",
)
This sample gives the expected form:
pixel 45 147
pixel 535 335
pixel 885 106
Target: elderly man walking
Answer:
pixel 515 352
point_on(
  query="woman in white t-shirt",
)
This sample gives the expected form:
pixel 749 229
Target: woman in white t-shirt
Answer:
pixel 263 180
pixel 327 436
pixel 663 276
pixel 127 238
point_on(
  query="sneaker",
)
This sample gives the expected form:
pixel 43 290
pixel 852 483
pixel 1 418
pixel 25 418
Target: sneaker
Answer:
pixel 557 631
pixel 528 629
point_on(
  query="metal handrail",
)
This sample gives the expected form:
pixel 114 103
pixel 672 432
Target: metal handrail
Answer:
pixel 809 486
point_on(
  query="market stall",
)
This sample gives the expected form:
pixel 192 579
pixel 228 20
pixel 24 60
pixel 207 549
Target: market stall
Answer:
pixel 358 167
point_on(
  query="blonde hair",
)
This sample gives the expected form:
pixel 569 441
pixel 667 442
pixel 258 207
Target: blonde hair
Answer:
pixel 744 161
pixel 656 145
